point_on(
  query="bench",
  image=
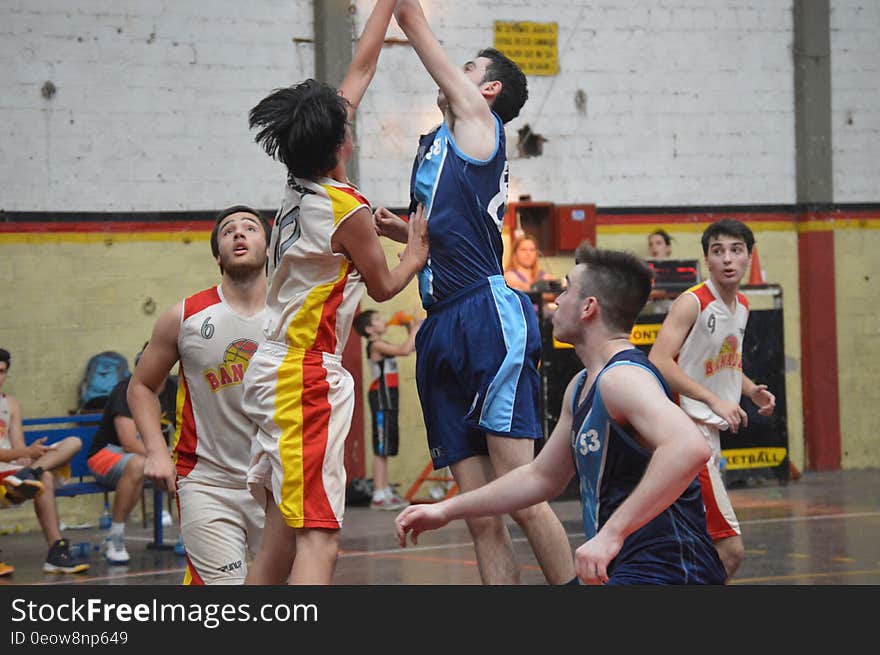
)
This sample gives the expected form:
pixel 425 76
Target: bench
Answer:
pixel 82 480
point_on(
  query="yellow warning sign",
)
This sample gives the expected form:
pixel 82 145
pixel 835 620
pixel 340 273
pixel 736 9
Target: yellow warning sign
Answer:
pixel 753 458
pixel 533 46
pixel 645 334
pixel 642 335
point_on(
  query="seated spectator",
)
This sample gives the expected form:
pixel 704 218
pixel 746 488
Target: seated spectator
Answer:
pixel 524 270
pixel 117 459
pixel 659 245
pixel 32 472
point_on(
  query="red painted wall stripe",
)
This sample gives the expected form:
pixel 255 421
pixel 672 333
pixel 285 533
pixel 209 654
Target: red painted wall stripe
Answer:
pixel 107 226
pixel 821 405
pixel 691 218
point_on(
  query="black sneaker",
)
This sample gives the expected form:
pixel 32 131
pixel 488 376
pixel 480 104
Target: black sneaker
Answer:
pixel 23 485
pixel 61 560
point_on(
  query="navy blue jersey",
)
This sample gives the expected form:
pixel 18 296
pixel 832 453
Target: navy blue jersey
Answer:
pixel 464 201
pixel 674 547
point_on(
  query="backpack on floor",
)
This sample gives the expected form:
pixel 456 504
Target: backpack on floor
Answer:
pixel 103 372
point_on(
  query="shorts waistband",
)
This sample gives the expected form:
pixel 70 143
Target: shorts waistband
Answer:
pixel 470 290
pixel 280 350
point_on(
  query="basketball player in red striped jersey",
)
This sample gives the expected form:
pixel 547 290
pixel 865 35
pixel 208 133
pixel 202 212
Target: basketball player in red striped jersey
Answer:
pixel 323 253
pixel 212 334
pixel 699 352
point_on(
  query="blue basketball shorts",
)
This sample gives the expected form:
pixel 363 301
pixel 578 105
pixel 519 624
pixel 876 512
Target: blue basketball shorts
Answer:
pixel 477 356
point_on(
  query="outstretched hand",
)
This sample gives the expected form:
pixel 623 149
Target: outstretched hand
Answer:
pixel 765 400
pixel 417 237
pixel 416 519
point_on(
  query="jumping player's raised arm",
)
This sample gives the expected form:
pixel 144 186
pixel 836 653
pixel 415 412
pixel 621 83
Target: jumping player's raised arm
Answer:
pixel 363 65
pixel 152 369
pixel 468 113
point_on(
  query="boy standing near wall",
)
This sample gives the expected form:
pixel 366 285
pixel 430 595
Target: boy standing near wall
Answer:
pixel 384 400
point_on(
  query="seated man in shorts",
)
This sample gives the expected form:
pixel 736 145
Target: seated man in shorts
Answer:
pixel 30 472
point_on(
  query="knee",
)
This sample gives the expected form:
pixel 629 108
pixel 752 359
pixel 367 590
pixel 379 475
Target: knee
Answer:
pixel 73 444
pixel 737 556
pixel 528 515
pixel 318 543
pixel 732 553
pixel 487 528
pixel 134 469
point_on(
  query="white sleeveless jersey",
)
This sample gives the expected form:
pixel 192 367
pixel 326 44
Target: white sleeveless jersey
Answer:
pixel 313 292
pixel 5 421
pixel 213 435
pixel 712 353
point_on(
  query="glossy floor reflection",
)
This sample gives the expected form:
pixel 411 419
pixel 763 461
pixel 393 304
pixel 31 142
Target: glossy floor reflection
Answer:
pixel 823 529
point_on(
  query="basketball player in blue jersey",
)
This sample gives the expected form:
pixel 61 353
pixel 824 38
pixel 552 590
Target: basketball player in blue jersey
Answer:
pixel 478 349
pixel 636 453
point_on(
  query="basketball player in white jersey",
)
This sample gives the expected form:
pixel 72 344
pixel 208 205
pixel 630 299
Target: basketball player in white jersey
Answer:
pixel 213 335
pixel 324 253
pixel 699 352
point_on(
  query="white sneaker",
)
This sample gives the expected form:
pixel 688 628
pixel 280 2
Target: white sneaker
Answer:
pixel 166 518
pixel 114 549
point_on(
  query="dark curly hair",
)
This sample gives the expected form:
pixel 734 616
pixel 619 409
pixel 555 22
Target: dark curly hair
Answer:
pixel 514 87
pixel 302 126
pixel 729 227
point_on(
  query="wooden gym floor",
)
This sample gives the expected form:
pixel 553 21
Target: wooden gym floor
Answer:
pixel 823 529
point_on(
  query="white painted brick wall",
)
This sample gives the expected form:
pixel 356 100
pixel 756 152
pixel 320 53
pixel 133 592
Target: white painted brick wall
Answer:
pixel 855 99
pixel 152 101
pixel 688 101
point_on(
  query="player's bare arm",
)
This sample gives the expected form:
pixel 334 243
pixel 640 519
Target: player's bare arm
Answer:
pixel 676 326
pixel 357 238
pixel 16 427
pixel 543 478
pixel 32 452
pixel 127 432
pixel 382 348
pixel 390 225
pixel 678 453
pixel 153 367
pixel 470 119
pixel 21 453
pixel 363 65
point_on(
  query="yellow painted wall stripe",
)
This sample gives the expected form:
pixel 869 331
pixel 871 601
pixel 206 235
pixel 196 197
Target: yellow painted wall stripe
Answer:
pixel 757 226
pixel 100 237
